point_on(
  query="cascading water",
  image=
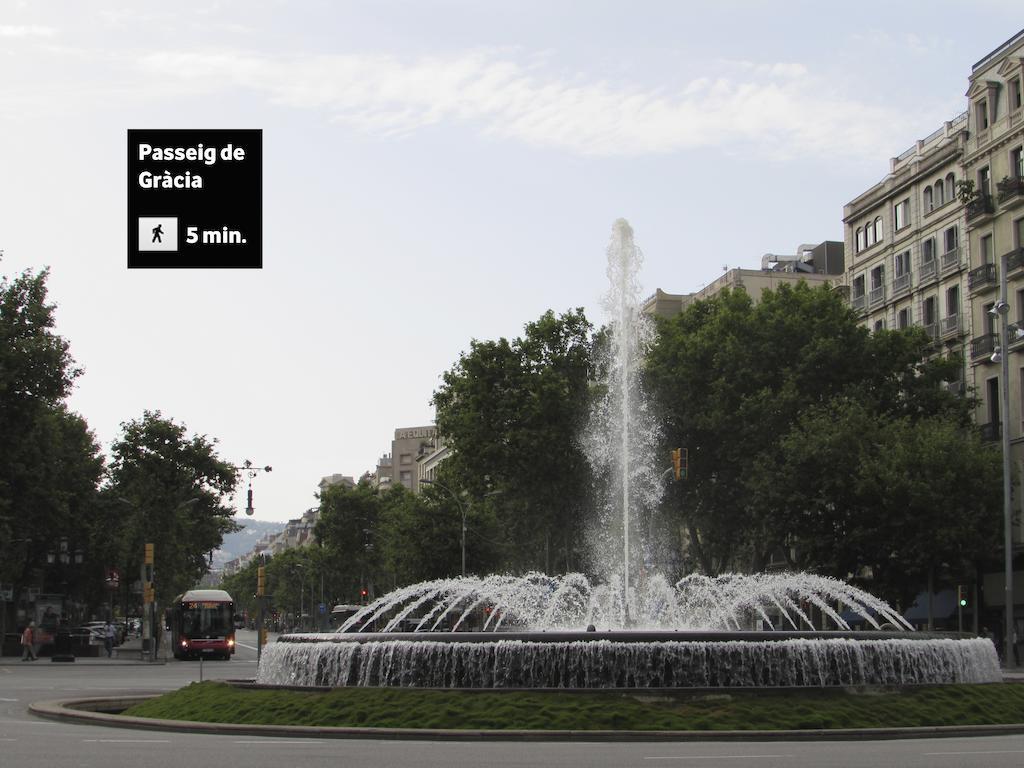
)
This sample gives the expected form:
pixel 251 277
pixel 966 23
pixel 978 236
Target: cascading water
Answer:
pixel 733 630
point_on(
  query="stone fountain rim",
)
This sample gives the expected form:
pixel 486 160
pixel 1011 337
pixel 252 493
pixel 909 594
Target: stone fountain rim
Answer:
pixel 623 636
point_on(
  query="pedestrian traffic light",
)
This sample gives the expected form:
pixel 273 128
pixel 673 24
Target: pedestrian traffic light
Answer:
pixel 363 595
pixel 961 595
pixel 677 462
pixel 261 580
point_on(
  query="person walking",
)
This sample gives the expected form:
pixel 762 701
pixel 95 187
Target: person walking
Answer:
pixel 28 641
pixel 109 635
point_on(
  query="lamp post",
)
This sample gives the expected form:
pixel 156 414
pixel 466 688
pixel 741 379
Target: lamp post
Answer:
pixel 1001 310
pixel 462 509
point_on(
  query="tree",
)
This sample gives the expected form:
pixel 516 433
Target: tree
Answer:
pixel 733 378
pixel 512 412
pixel 169 489
pixel 51 463
pixel 347 530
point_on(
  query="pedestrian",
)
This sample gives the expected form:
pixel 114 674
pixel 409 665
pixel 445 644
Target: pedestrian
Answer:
pixel 28 640
pixel 109 635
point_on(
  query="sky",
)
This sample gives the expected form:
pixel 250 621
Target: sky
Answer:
pixel 434 172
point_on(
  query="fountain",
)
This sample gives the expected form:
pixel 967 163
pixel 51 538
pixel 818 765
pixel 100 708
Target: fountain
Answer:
pixel 527 631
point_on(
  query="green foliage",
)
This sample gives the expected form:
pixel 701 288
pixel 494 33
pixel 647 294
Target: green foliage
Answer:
pixel 791 411
pixel 169 489
pixel 598 710
pixel 512 412
pixel 51 464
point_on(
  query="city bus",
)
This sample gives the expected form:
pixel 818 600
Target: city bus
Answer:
pixel 202 623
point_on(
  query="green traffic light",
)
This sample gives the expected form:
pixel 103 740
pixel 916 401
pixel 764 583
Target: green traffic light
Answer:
pixel 963 602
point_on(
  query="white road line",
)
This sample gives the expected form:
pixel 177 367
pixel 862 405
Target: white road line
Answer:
pixel 286 741
pixel 990 752
pixel 713 757
pixel 126 741
pixel 250 647
pixel 8 699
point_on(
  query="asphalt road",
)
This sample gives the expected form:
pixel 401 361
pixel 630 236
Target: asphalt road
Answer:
pixel 29 742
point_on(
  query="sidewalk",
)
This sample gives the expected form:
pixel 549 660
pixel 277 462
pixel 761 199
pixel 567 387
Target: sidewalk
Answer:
pixel 129 652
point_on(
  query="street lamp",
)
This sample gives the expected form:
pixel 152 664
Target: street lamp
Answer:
pixel 462 509
pixel 1001 310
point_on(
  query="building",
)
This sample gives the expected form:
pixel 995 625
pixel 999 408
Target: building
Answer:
pixel 409 445
pixel 907 265
pixel 813 264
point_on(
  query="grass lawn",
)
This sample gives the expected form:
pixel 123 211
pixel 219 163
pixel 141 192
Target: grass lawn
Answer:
pixel 615 710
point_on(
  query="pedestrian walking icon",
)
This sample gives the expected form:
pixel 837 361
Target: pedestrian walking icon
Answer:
pixel 158 233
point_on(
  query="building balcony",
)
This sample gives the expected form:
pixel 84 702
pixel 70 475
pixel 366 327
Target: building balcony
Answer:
pixel 926 271
pixel 981 277
pixel 876 295
pixel 859 303
pixel 951 325
pixel 1015 259
pixel 901 284
pixel 951 259
pixel 954 387
pixel 980 209
pixel 1011 190
pixel 991 432
pixel 984 346
pixel 931 330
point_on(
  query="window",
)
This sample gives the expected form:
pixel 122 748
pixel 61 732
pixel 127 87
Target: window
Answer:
pixel 1018 233
pixel 405 458
pixel 950 240
pixel 879 325
pixel 1013 87
pixel 928 250
pixel 1020 310
pixel 953 301
pixel 858 286
pixel 878 229
pixel 861 245
pixel 981 112
pixel 990 320
pixel 877 277
pixel 869 235
pixel 901 214
pixel 929 204
pixel 986 249
pixel 940 193
pixel 985 181
pixel 928 311
pixel 992 388
pixel 951 185
pixel 1017 162
pixel 903 319
pixel 901 264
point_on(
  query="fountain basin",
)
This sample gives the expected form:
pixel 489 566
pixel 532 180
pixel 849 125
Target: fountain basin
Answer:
pixel 627 660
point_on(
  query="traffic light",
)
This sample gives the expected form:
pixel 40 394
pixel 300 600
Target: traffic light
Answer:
pixel 261 580
pixel 677 462
pixel 363 596
pixel 961 595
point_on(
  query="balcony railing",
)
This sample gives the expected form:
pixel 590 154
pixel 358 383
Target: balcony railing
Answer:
pixel 877 295
pixel 984 346
pixel 951 258
pixel 950 324
pixel 954 387
pixel 1010 188
pixel 1015 259
pixel 979 206
pixel 931 330
pixel 979 277
pixel 859 302
pixel 901 283
pixel 927 269
pixel 991 432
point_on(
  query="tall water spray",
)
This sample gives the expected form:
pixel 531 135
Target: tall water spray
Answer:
pixel 622 433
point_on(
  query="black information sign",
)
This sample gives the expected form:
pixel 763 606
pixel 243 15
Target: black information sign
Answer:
pixel 195 198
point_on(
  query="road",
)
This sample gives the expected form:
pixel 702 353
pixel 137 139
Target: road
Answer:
pixel 29 742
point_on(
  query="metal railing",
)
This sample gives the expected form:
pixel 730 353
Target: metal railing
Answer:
pixel 991 432
pixel 876 295
pixel 984 346
pixel 980 206
pixel 901 283
pixel 950 324
pixel 981 276
pixel 1011 187
pixel 951 258
pixel 927 269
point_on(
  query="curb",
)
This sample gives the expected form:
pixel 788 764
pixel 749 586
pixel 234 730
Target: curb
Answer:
pixel 101 711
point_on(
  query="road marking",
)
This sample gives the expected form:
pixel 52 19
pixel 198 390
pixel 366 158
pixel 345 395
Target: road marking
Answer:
pixel 286 741
pixel 126 741
pixel 990 752
pixel 714 757
pixel 8 699
pixel 244 645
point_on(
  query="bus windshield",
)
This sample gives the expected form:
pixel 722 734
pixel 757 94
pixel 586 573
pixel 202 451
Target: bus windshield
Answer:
pixel 207 619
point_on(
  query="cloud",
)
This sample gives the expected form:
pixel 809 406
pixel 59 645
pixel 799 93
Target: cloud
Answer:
pixel 778 108
pixel 13 30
